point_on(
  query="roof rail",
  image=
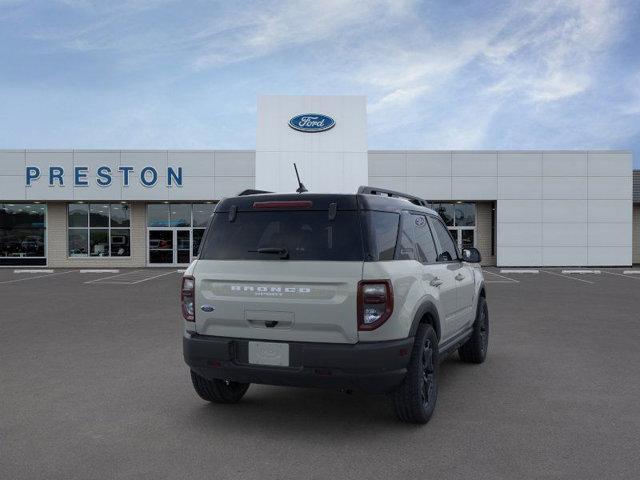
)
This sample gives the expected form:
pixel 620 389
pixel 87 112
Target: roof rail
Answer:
pixel 251 191
pixel 392 193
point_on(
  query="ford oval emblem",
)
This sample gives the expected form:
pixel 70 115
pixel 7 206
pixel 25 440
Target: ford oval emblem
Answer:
pixel 312 122
pixel 207 308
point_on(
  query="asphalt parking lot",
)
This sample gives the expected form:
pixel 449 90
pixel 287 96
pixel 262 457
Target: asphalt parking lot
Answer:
pixel 92 385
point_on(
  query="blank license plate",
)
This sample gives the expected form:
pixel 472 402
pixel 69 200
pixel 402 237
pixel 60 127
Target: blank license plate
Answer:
pixel 269 353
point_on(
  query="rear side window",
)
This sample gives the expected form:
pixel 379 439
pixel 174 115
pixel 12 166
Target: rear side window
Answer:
pixel 416 242
pixel 425 248
pixel 383 234
pixel 446 249
pixel 303 235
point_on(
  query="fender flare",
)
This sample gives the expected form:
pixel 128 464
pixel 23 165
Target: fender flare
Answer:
pixel 426 308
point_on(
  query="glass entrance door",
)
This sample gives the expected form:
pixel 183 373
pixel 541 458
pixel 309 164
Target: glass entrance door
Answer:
pixel 183 246
pixel 170 246
pixel 161 247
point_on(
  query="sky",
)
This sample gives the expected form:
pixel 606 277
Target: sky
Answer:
pixel 489 74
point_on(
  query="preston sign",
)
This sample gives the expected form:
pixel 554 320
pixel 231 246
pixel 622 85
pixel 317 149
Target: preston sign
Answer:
pixel 312 122
pixel 56 176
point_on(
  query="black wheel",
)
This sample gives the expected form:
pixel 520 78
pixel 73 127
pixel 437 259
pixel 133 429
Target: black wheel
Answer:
pixel 415 399
pixel 218 391
pixel 475 349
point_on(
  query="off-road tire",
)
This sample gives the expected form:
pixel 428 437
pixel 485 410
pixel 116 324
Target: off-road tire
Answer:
pixel 475 349
pixel 415 399
pixel 218 391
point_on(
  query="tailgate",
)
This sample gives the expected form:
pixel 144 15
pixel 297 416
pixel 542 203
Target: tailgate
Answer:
pixel 305 301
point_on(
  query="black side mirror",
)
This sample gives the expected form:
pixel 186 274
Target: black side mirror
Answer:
pixel 471 255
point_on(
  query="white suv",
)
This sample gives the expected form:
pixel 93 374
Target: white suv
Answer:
pixel 361 291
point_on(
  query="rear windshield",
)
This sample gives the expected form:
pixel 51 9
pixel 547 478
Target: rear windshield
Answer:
pixel 278 235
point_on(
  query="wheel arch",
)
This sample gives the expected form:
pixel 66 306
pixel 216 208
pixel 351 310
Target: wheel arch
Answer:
pixel 426 313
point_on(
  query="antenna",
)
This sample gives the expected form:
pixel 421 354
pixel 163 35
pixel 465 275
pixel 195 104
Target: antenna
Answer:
pixel 301 188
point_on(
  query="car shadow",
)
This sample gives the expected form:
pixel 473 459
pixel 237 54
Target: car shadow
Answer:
pixel 295 411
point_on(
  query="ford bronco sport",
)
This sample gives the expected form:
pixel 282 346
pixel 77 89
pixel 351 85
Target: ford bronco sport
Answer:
pixel 361 291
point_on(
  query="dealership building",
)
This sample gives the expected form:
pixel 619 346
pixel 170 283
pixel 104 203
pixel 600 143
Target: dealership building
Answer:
pixel 136 208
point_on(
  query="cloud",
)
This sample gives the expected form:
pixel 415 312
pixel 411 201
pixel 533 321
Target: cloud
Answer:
pixel 437 75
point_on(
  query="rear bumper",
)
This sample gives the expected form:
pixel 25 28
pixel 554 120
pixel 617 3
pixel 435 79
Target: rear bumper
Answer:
pixel 373 367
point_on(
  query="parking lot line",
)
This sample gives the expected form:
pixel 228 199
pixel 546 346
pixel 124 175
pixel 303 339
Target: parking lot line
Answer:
pixel 621 275
pixel 151 278
pixel 567 276
pixel 34 271
pixel 112 276
pixel 517 270
pixel 501 276
pixel 39 276
pixel 581 272
pixel 103 270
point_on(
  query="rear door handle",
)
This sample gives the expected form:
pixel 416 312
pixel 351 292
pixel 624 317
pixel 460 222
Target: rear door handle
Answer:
pixel 436 282
pixel 459 277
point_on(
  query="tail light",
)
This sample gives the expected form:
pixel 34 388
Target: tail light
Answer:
pixel 187 298
pixel 375 303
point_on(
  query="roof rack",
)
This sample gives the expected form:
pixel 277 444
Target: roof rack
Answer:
pixel 251 191
pixel 392 193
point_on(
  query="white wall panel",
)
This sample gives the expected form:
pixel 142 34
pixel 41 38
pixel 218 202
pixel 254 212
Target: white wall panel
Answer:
pixel 474 188
pixel 137 191
pixel 520 164
pixel 519 234
pixel 234 164
pixel 430 188
pixel 564 164
pixel 608 256
pixel 564 234
pixel 519 187
pixel 194 164
pixel 194 188
pixel 12 162
pixel 564 211
pixel 231 186
pixel 611 187
pixel 93 191
pixel 353 162
pixel 12 188
pixel 564 187
pixel 564 256
pixel 519 211
pixel 609 211
pixel 145 158
pixel 609 164
pixel 519 256
pixel 392 183
pixel 478 164
pixel 609 234
pixel 40 190
pixel 94 159
pixel 387 164
pixel 429 164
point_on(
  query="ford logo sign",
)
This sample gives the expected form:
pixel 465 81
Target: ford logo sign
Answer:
pixel 311 122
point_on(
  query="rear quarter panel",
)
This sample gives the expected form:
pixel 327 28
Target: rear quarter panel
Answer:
pixel 410 291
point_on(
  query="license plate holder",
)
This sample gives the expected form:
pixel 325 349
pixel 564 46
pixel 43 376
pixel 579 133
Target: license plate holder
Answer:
pixel 269 353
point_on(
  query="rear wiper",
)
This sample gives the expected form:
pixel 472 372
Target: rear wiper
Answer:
pixel 283 252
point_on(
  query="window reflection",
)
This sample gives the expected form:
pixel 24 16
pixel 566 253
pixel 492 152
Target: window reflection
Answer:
pixel 90 232
pixel 22 230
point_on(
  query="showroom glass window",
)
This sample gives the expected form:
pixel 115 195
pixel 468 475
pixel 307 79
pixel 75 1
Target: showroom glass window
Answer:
pixel 99 230
pixel 22 232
